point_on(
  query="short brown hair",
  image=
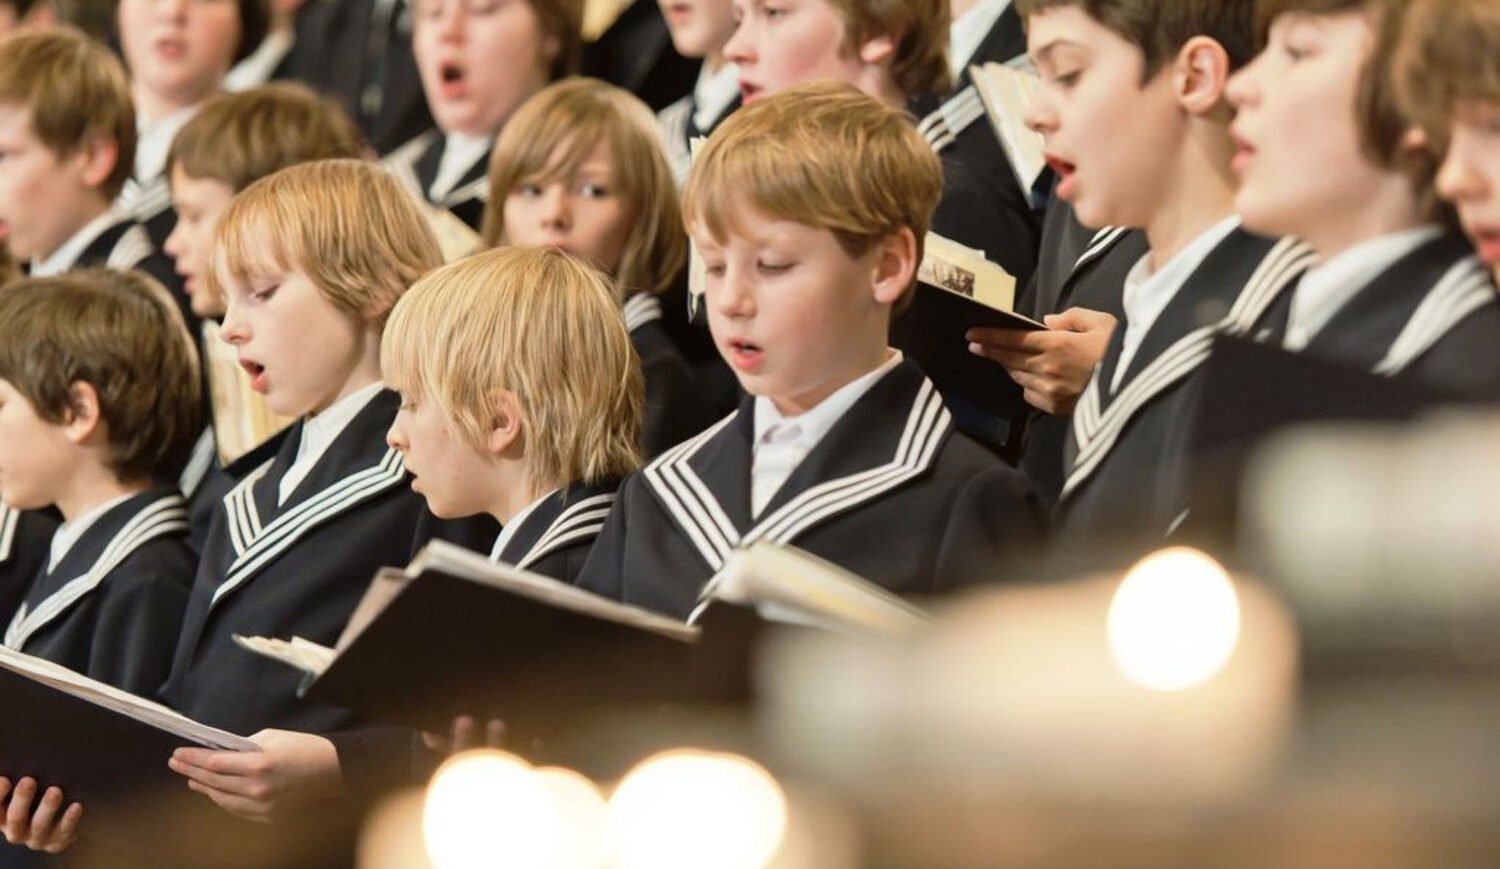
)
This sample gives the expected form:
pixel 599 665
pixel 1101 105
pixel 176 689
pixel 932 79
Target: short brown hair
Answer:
pixel 121 333
pixel 1160 28
pixel 239 137
pixel 823 155
pixel 76 90
pixel 348 225
pixel 556 130
pixel 562 20
pixel 1449 54
pixel 920 27
pixel 536 322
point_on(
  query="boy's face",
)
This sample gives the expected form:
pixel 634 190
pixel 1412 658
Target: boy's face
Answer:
pixel 35 455
pixel 581 215
pixel 301 351
pixel 791 312
pixel 1299 159
pixel 783 43
pixel 198 202
pixel 1470 176
pixel 699 27
pixel 44 198
pixel 445 469
pixel 479 60
pixel 1111 140
pixel 179 50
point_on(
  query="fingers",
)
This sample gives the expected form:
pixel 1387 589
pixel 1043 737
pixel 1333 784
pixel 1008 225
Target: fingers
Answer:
pixel 18 812
pixel 1003 339
pixel 494 733
pixel 206 777
pixel 67 829
pixel 465 733
pixel 235 804
pixel 1080 320
pixel 44 818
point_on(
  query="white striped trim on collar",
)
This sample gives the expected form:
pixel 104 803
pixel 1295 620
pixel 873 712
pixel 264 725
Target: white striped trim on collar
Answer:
pixel 163 516
pixel 133 246
pixel 584 519
pixel 402 163
pixel 1464 289
pixel 698 513
pixel 141 202
pixel 1096 432
pixel 262 545
pixel 1102 241
pixel 240 511
pixel 477 190
pixel 9 519
pixel 198 463
pixel 942 127
pixel 640 309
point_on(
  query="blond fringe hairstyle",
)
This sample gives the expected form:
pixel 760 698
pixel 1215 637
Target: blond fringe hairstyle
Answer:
pixel 542 325
pixel 348 225
pixel 555 131
pixel 76 90
pixel 121 333
pixel 823 155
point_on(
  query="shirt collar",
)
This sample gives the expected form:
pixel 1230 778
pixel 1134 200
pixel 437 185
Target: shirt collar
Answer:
pixel 508 532
pixel 968 30
pixel 1146 290
pixel 714 93
pixel 321 430
pixel 66 256
pixel 815 422
pixel 70 532
pixel 1327 287
pixel 257 69
pixel 154 140
pixel 460 153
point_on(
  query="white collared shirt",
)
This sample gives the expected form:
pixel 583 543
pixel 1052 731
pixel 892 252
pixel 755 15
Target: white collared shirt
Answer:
pixel 508 532
pixel 713 93
pixel 968 30
pixel 66 255
pixel 155 141
pixel 1147 294
pixel 256 69
pixel 1328 287
pixel 460 153
pixel 782 442
pixel 71 531
pixel 319 433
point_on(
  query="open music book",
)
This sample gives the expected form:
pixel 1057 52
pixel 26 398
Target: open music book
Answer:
pixel 786 584
pixel 1007 92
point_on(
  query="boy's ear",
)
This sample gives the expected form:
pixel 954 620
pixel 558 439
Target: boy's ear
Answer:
pixel 83 418
pixel 100 155
pixel 506 423
pixel 1201 75
pixel 895 265
pixel 878 49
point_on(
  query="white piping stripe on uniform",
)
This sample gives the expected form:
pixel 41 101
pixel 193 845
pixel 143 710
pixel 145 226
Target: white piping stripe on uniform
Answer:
pixel 198 463
pixel 159 518
pixel 590 512
pixel 145 201
pixel 640 309
pixel 289 527
pixel 478 189
pixel 239 506
pixel 710 530
pixel 1102 241
pixel 402 163
pixel 1095 438
pixel 132 247
pixel 1466 288
pixel 9 519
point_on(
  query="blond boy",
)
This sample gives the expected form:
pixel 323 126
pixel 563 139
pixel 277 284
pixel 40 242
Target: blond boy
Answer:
pixel 809 208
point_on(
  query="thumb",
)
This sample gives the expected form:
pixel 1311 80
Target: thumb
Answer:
pixel 1080 320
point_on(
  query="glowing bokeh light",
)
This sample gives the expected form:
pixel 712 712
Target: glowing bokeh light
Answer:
pixel 488 808
pixel 1174 621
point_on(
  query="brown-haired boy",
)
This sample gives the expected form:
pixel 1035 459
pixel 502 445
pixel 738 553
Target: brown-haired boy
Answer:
pixel 1132 109
pixel 1448 75
pixel 809 208
pixel 67 130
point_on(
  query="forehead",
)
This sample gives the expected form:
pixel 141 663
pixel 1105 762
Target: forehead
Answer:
pixel 1060 29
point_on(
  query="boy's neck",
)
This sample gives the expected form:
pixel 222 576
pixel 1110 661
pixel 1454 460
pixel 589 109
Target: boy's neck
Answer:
pixel 153 107
pixel 512 499
pixel 92 485
pixel 89 209
pixel 1199 195
pixel 1391 208
pixel 714 62
pixel 876 81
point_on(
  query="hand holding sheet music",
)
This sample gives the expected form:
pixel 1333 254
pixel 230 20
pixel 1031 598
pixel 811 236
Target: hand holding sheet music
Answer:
pixel 1052 367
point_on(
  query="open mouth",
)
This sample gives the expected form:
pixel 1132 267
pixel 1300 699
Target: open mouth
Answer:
pixel 257 374
pixel 1062 167
pixel 745 355
pixel 451 73
pixel 749 91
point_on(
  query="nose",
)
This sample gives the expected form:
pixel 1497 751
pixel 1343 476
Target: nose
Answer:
pixel 395 436
pixel 1041 116
pixel 171 10
pixel 740 47
pixel 1459 179
pixel 233 330
pixel 451 21
pixel 556 208
pixel 732 295
pixel 1241 91
pixel 173 245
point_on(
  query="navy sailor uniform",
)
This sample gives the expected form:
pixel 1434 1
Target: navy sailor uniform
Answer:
pixel 555 537
pixel 25 541
pixel 675 408
pixel 1127 451
pixel 892 493
pixel 112 606
pixel 415 164
pixel 1433 315
pixel 292 569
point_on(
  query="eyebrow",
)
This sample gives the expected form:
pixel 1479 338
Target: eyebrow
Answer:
pixel 1041 54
